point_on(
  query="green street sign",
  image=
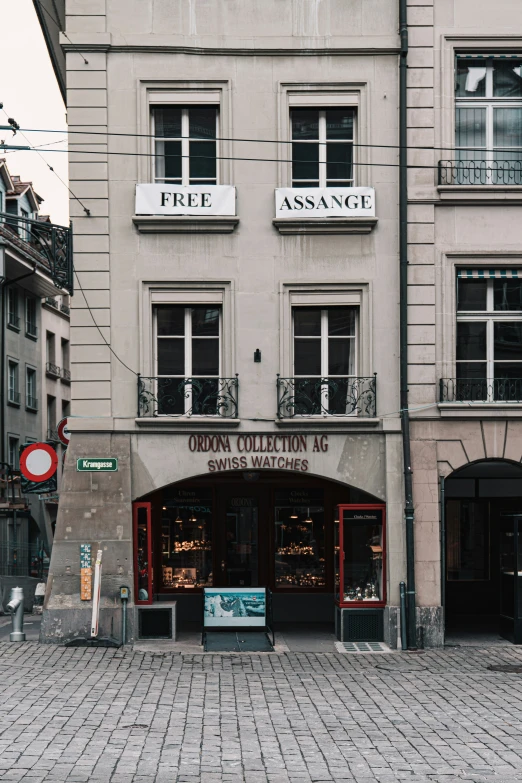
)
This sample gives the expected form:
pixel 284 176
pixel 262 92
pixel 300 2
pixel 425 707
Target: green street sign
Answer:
pixel 97 464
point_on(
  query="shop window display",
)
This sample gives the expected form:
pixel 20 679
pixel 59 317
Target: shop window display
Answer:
pixel 143 553
pixel 299 539
pixel 359 555
pixel 186 542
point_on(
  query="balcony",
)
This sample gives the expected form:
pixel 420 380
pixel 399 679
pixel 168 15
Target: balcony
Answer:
pixel 52 435
pixel 481 390
pixel 326 397
pixel 48 244
pixel 31 403
pixel 480 172
pixel 188 397
pixel 66 375
pixel 65 309
pixel 52 370
pixel 52 302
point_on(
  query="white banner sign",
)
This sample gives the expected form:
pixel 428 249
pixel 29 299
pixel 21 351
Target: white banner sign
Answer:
pixel 168 199
pixel 324 202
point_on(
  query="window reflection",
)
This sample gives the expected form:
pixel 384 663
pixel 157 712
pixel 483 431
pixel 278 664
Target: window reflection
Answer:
pixel 186 540
pixel 299 544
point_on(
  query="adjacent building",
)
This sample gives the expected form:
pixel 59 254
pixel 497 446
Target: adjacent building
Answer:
pixel 32 253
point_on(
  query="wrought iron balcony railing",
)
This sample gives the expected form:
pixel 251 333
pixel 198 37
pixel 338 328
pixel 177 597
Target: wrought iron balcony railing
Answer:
pixel 31 403
pixel 65 309
pixel 53 370
pixel 52 434
pixel 480 390
pixel 160 396
pixel 480 172
pixel 66 375
pixel 52 243
pixel 13 320
pixel 51 301
pixel 326 397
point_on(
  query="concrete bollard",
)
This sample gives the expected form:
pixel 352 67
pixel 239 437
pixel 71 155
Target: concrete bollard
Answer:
pixel 16 608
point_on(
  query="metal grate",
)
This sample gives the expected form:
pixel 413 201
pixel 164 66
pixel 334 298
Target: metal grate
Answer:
pixel 362 647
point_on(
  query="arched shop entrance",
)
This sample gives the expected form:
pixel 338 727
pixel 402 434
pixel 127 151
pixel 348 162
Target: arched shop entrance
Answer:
pixel 243 529
pixel 482 557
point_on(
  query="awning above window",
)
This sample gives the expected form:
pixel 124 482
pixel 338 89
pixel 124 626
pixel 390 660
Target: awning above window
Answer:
pixel 487 274
pixel 490 56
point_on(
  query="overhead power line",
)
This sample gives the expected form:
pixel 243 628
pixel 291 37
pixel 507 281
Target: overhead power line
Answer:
pixel 233 157
pixel 60 28
pixel 428 148
pixel 35 149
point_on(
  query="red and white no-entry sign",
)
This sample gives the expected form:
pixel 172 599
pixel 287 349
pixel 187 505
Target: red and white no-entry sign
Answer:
pixel 63 432
pixel 38 462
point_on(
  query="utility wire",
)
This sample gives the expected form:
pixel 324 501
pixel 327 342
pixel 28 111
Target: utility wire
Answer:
pixel 60 28
pixel 99 329
pixel 253 141
pixel 34 149
pixel 232 157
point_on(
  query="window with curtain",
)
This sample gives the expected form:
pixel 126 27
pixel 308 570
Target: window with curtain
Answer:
pixel 185 144
pixel 322 147
pixel 488 120
pixel 188 359
pixel 324 343
pixel 489 335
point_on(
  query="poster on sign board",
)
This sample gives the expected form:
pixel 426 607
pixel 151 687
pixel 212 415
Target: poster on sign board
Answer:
pixel 232 607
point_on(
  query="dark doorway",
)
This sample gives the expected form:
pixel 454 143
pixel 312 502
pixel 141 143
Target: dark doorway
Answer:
pixel 478 500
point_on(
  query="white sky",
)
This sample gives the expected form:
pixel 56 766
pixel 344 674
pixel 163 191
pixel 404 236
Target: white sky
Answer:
pixel 30 94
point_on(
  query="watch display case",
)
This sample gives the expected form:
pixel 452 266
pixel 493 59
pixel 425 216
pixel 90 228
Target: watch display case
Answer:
pixel 143 589
pixel 359 556
pixel 299 539
pixel 186 542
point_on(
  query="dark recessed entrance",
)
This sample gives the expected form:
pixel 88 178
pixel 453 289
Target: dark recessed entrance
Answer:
pixel 243 529
pixel 483 557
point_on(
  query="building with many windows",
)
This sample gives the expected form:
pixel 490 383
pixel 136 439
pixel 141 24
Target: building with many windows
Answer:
pixel 235 332
pixel 28 274
pixel 465 312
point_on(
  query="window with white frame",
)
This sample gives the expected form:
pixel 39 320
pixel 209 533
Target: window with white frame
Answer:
pixel 30 317
pixel 13 450
pixel 13 319
pixel 322 147
pixel 13 391
pixel 188 359
pixel 324 358
pixel 488 120
pixel 489 335
pixel 185 144
pixel 31 400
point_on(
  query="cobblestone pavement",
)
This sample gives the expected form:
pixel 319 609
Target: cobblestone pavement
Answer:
pixel 128 717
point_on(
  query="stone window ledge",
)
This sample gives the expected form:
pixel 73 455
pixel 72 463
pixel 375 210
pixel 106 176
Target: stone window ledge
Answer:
pixel 480 410
pixel 185 224
pixel 329 422
pixel 186 422
pixel 466 195
pixel 348 225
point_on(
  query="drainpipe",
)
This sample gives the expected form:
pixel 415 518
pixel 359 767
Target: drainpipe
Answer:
pixel 403 257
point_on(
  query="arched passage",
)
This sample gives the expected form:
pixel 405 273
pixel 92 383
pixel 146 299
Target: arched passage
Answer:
pixel 247 529
pixel 483 502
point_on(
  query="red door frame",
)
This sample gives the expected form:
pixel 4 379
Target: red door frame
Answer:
pixel 362 604
pixel 135 508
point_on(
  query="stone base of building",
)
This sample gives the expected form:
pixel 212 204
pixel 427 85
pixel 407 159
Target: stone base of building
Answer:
pixel 61 625
pixel 430 626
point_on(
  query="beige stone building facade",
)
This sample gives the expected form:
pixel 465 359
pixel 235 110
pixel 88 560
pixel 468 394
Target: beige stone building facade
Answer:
pixel 465 308
pixel 235 330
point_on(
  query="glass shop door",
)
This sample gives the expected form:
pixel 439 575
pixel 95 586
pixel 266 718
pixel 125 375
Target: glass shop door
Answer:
pixel 510 539
pixel 239 556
